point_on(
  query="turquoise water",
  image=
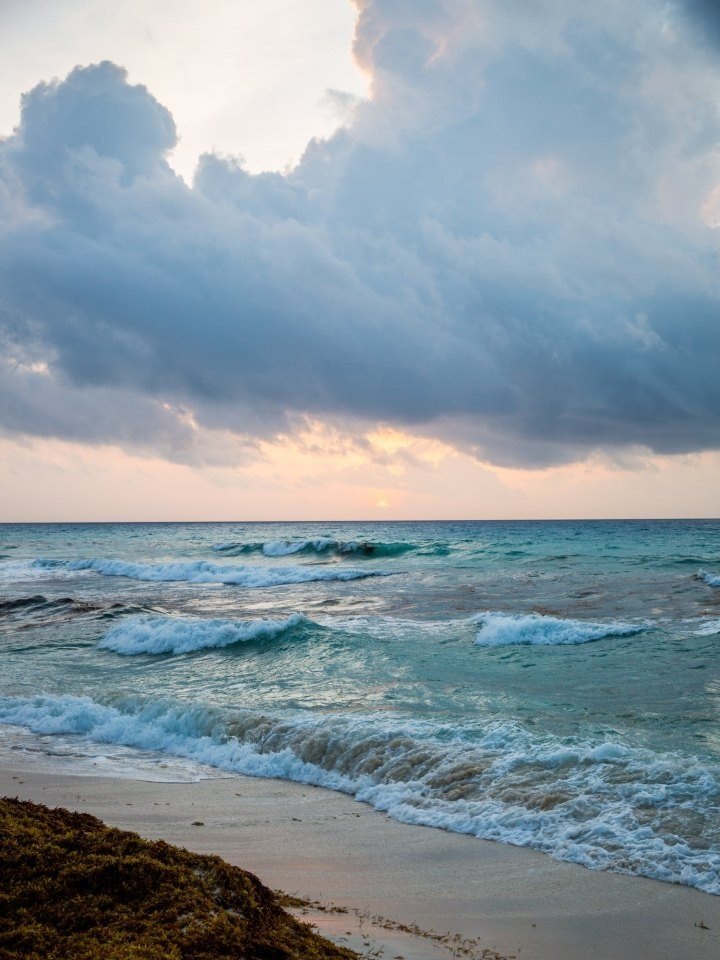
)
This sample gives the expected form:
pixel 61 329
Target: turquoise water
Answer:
pixel 553 685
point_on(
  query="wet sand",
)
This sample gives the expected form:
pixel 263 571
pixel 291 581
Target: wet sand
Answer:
pixel 317 844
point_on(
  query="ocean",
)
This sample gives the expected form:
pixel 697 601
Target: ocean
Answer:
pixel 554 685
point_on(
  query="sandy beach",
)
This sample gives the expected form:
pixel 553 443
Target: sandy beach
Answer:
pixel 321 845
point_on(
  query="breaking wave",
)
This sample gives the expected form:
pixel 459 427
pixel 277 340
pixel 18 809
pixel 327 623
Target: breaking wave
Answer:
pixel 200 571
pixel 323 546
pixel 599 803
pixel 534 629
pixel 137 635
pixel 712 579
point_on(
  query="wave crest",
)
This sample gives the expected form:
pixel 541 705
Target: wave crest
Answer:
pixel 534 629
pixel 201 571
pixel 152 635
pixel 323 546
pixel 712 579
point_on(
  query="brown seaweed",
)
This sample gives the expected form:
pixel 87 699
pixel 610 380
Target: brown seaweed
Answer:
pixel 72 887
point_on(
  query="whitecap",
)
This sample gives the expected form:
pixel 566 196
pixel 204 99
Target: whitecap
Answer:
pixel 202 571
pixel 152 635
pixel 712 579
pixel 534 629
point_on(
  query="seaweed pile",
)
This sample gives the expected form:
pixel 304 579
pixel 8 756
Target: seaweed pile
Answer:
pixel 73 887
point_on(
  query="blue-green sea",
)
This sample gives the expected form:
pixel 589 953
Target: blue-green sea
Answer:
pixel 550 684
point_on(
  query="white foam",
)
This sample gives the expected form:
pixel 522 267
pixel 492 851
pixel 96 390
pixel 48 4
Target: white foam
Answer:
pixel 602 804
pixel 142 634
pixel 318 545
pixel 201 571
pixel 534 629
pixel 71 754
pixel 712 579
pixel 12 571
pixel 285 548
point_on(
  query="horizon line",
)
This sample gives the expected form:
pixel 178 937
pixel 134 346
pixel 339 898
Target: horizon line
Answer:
pixel 9 523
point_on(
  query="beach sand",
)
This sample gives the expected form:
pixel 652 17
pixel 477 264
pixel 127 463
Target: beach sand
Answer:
pixel 324 846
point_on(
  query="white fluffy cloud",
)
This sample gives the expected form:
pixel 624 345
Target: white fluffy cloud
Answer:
pixel 510 246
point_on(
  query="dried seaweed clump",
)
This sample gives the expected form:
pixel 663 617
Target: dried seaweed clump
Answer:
pixel 70 887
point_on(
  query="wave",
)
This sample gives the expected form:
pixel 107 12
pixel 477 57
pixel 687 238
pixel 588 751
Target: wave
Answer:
pixel 19 571
pixel 688 560
pixel 21 603
pixel 712 579
pixel 39 609
pixel 141 634
pixel 200 571
pixel 324 546
pixel 599 803
pixel 708 629
pixel 534 629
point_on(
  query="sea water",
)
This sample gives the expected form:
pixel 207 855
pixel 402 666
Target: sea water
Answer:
pixel 550 684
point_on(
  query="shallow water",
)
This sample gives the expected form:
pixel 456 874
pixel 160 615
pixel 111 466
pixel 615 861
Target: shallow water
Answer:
pixel 554 685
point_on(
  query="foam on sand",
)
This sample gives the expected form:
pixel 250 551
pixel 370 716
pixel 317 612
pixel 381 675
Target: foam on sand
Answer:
pixel 597 802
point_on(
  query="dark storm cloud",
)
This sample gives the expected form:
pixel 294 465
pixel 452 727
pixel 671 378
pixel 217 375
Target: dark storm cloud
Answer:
pixel 503 249
pixel 705 17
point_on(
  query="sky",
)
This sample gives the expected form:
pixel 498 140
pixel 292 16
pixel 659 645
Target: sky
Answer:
pixel 390 259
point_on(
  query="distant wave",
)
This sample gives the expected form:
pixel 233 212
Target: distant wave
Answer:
pixel 534 629
pixel 324 546
pixel 599 803
pixel 688 561
pixel 137 635
pixel 712 579
pixel 200 571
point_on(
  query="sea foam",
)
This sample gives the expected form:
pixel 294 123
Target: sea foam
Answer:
pixel 534 629
pixel 708 629
pixel 201 571
pixel 712 579
pixel 600 803
pixel 136 635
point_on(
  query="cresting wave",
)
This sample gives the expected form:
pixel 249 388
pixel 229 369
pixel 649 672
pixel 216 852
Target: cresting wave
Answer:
pixel 712 579
pixel 200 571
pixel 148 634
pixel 324 546
pixel 534 629
pixel 137 635
pixel 601 804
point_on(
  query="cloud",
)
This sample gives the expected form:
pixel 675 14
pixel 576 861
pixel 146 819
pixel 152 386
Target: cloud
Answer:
pixel 505 248
pixel 705 16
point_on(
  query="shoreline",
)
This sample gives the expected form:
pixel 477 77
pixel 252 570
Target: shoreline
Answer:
pixel 328 848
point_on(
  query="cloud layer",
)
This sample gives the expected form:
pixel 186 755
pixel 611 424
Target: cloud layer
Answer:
pixel 511 246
